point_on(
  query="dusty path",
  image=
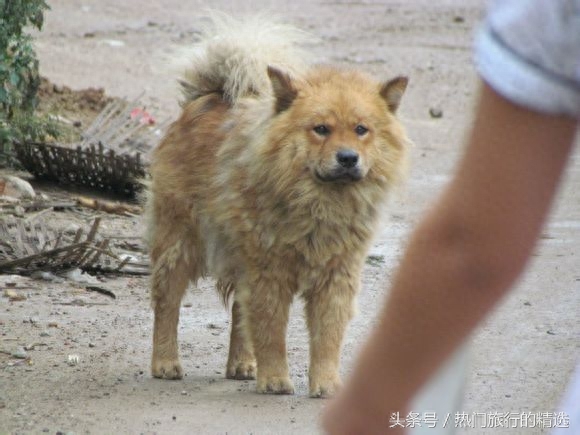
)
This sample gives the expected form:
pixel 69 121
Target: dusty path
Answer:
pixel 521 357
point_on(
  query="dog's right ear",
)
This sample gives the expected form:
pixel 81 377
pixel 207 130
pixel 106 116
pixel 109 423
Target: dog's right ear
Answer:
pixel 284 90
pixel 393 91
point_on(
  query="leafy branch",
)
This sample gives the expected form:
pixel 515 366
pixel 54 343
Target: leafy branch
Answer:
pixel 19 77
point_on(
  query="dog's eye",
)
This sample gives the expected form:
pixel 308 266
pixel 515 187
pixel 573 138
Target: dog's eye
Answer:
pixel 361 130
pixel 322 130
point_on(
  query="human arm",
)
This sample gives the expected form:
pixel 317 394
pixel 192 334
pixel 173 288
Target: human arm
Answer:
pixel 462 258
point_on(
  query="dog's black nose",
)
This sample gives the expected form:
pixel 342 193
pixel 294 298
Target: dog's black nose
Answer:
pixel 347 158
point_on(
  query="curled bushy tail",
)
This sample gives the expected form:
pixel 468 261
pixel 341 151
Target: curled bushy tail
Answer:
pixel 233 56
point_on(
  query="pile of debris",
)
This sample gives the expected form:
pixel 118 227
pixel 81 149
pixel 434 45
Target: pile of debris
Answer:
pixel 112 154
pixel 29 242
pixel 30 246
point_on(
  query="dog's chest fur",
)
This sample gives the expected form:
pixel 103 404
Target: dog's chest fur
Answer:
pixel 301 236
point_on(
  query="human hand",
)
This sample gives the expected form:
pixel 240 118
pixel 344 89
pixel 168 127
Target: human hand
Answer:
pixel 361 414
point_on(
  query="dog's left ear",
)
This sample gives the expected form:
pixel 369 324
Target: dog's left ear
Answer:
pixel 393 90
pixel 284 90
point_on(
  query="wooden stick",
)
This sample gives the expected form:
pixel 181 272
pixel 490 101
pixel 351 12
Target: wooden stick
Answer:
pixel 101 290
pixel 108 207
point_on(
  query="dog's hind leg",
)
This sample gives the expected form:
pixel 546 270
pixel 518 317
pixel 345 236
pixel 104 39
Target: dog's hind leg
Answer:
pixel 241 361
pixel 170 276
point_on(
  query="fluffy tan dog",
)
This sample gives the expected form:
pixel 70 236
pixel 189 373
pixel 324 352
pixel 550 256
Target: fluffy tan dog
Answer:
pixel 271 181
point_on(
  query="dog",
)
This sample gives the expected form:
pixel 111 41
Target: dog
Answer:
pixel 271 181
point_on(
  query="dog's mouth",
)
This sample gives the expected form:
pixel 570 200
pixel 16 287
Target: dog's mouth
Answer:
pixel 342 175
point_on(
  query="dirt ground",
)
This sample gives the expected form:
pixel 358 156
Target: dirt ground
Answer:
pixel 521 357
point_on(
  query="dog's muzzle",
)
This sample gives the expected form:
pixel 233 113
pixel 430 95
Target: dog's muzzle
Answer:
pixel 346 169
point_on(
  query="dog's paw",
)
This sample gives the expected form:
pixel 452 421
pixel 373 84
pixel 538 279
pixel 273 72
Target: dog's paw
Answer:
pixel 323 388
pixel 275 385
pixel 167 369
pixel 241 370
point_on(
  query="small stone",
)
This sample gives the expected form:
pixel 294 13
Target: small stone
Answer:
pixel 114 42
pixel 92 344
pixel 375 260
pixel 20 353
pixel 44 334
pixel 80 277
pixel 8 293
pixel 72 228
pixel 458 19
pixel 16 187
pixel 46 276
pixel 52 325
pixel 73 360
pixel 14 296
pixel 435 112
pixel 77 124
pixel 19 211
pixel 184 393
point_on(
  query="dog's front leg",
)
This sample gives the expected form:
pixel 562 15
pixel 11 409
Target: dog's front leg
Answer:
pixel 241 361
pixel 328 311
pixel 265 310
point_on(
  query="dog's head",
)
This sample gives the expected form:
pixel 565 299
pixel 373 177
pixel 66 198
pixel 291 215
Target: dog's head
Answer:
pixel 339 126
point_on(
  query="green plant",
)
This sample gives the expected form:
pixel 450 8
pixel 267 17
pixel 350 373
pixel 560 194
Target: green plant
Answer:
pixel 19 78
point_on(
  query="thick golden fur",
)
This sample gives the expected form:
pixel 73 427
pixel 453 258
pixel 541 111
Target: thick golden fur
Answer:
pixel 249 188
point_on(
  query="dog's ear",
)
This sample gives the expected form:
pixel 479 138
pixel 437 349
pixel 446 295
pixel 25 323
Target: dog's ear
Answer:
pixel 393 90
pixel 284 90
